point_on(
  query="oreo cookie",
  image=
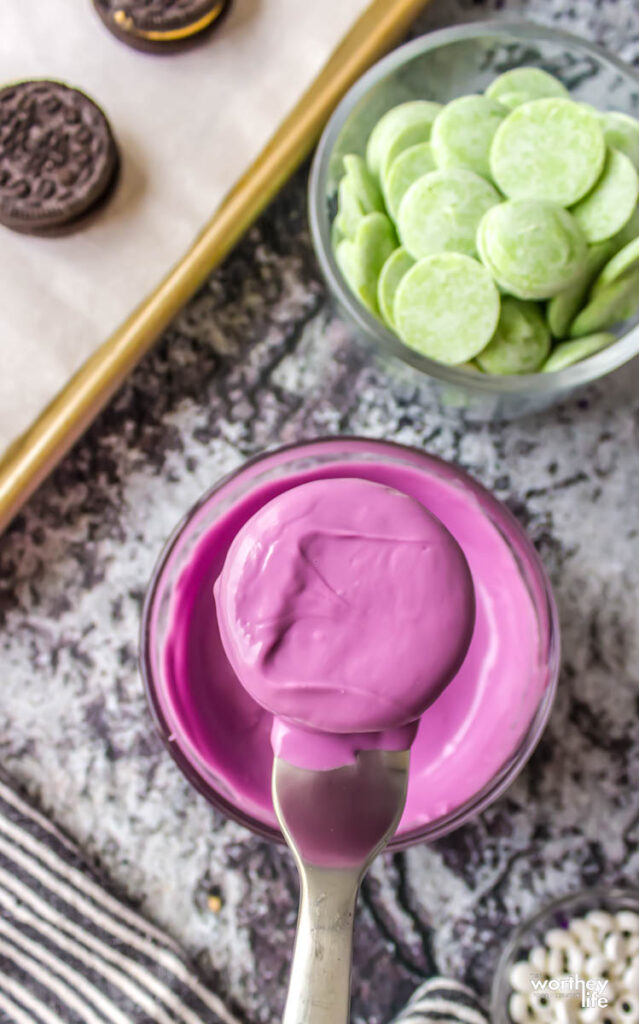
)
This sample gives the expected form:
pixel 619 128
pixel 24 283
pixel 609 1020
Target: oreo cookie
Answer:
pixel 58 157
pixel 160 26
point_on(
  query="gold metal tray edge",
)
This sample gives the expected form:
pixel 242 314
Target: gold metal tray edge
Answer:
pixel 30 459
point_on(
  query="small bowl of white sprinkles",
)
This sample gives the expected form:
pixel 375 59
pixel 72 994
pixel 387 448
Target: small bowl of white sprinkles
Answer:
pixel 574 962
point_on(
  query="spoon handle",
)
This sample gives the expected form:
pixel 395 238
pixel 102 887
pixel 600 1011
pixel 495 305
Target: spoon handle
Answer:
pixel 320 986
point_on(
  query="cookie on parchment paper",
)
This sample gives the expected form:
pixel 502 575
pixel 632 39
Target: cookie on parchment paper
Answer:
pixel 160 26
pixel 58 156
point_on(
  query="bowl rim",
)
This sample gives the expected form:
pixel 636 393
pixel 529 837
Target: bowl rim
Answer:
pixel 600 896
pixel 376 333
pixel 487 795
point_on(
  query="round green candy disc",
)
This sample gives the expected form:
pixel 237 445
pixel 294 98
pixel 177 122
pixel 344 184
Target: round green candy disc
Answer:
pixel 336 235
pixel 410 165
pixel 411 136
pixel 622 132
pixel 521 342
pixel 349 209
pixel 610 204
pixel 463 133
pixel 563 308
pixel 363 183
pixel 447 307
pixel 623 262
pixel 611 304
pixel 533 249
pixel 397 264
pixel 362 259
pixel 347 263
pixel 567 353
pixel 392 123
pixel 628 233
pixel 521 85
pixel 357 195
pixel 440 212
pixel 550 149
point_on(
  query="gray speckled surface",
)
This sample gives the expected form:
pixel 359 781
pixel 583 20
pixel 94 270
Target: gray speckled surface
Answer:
pixel 254 360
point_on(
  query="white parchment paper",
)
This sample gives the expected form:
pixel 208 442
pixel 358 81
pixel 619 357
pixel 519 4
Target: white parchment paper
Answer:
pixel 188 126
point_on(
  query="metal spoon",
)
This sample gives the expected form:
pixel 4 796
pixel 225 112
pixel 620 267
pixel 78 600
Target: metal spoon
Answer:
pixel 335 822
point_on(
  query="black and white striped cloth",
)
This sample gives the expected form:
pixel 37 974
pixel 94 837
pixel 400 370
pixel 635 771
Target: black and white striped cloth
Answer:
pixel 443 1001
pixel 72 953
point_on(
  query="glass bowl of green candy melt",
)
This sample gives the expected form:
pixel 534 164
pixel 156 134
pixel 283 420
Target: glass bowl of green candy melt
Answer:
pixel 474 208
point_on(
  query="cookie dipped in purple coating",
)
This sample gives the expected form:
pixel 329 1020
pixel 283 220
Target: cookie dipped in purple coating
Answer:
pixel 345 607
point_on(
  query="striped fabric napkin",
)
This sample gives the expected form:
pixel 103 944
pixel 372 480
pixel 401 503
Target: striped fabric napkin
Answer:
pixel 71 953
pixel 443 1001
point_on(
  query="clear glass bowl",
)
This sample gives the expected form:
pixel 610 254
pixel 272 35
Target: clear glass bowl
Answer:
pixel 440 66
pixel 276 466
pixel 554 915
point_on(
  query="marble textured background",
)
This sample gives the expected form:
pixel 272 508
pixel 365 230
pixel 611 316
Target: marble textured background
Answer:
pixel 254 360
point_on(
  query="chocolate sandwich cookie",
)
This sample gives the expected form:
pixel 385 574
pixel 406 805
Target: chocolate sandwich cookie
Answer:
pixel 58 157
pixel 160 26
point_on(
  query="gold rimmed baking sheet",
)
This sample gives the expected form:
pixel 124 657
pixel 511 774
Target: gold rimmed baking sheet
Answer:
pixel 30 458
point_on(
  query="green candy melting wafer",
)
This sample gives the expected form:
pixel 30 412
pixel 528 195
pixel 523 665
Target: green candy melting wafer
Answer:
pixel 622 263
pixel 440 212
pixel 521 342
pixel 521 85
pixel 393 122
pixel 566 232
pixel 363 183
pixel 621 131
pixel 410 165
pixel 563 308
pixel 533 249
pixel 549 149
pixel 567 353
pixel 610 204
pixel 349 210
pixel 357 195
pixel 628 233
pixel 411 136
pixel 447 307
pixel 362 259
pixel 336 235
pixel 396 266
pixel 610 305
pixel 463 133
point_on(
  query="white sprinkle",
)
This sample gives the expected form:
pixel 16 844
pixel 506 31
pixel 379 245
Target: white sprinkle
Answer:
pixel 520 976
pixel 541 1004
pixel 627 921
pixel 631 977
pixel 565 1011
pixel 538 958
pixel 600 920
pixel 597 967
pixel 575 959
pixel 626 1009
pixel 556 962
pixel 518 1008
pixel 591 1014
pixel 558 938
pixel 614 948
pixel 585 935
